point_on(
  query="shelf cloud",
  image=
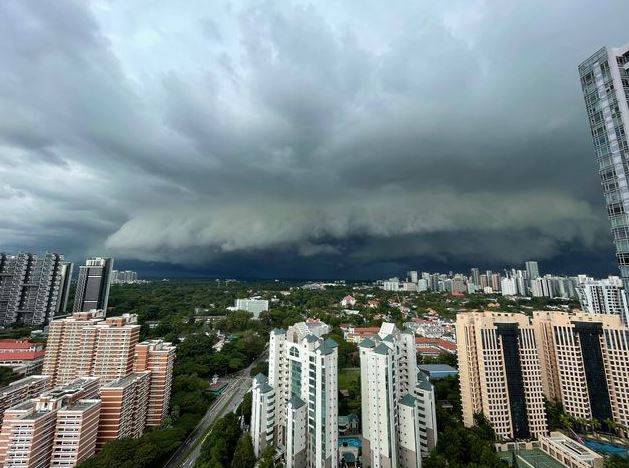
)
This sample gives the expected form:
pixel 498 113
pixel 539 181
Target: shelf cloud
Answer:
pixel 335 132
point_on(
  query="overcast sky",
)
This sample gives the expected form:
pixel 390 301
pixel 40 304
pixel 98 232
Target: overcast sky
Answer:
pixel 328 138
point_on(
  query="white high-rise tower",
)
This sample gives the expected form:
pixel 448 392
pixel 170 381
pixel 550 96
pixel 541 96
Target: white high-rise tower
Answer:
pixel 300 399
pixel 398 411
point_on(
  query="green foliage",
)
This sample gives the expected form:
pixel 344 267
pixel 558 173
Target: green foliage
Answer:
pixel 260 368
pixel 244 409
pixel 243 455
pixel 616 462
pixel 266 457
pixel 459 447
pixel 347 352
pixel 219 446
pixel 152 449
pixel 7 376
pixel 556 415
pixel 349 379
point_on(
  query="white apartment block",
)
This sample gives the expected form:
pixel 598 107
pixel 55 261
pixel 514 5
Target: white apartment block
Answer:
pixel 605 296
pixel 254 305
pixel 304 376
pixel 262 413
pixel 398 413
pixel 500 373
pixel 508 287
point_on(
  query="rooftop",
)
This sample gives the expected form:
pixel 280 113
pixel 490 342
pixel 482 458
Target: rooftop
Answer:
pixel 437 368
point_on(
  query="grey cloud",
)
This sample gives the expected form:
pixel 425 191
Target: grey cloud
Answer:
pixel 359 130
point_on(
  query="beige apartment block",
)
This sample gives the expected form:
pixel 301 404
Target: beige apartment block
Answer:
pixel 76 429
pixel 22 390
pixel 500 373
pixel 587 355
pixel 87 344
pixel 57 428
pixel 158 357
pixel 124 407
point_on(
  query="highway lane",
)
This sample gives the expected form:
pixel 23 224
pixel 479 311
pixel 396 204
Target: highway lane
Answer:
pixel 242 386
pixel 238 385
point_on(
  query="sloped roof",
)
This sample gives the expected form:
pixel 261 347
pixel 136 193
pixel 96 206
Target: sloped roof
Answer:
pixel 367 343
pixel 261 378
pixel 382 349
pixel 408 400
pixel 296 402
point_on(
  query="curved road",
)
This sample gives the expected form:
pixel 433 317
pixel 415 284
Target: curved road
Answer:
pixel 238 385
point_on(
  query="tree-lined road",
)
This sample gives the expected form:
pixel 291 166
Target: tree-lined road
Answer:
pixel 238 385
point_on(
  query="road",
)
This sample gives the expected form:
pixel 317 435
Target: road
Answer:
pixel 238 385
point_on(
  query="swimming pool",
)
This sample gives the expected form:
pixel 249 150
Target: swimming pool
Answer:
pixel 350 442
pixel 607 449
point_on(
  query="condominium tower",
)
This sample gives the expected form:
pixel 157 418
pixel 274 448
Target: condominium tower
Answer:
pixel 398 412
pixel 606 296
pixel 33 288
pixel 605 83
pixel 585 364
pixel 158 357
pixel 500 373
pixel 298 407
pixel 57 428
pixel 90 344
pixel 92 285
pixel 124 407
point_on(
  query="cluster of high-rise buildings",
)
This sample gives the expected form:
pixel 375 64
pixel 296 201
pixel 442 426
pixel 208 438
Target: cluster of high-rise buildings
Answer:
pixel 124 277
pixel 296 407
pixel 526 282
pixel 98 383
pixel 35 288
pixel 509 363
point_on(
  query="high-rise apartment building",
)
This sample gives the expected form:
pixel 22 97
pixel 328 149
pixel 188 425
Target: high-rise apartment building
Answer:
pixel 500 373
pixel 605 84
pixel 158 357
pixel 426 413
pixel 87 344
pixel 532 269
pixel 606 296
pixel 22 390
pixel 304 377
pixel 33 288
pixel 123 277
pixel 262 413
pixel 125 402
pixel 92 286
pixel 585 363
pixel 57 428
pixel 398 413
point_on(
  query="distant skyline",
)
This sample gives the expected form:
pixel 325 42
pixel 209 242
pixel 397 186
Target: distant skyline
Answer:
pixel 303 140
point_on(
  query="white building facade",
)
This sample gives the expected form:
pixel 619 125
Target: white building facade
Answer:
pixel 604 297
pixel 254 305
pixel 398 416
pixel 303 375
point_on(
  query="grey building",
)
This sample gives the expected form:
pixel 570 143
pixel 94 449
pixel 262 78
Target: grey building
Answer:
pixel 92 285
pixel 605 83
pixel 33 288
pixel 532 269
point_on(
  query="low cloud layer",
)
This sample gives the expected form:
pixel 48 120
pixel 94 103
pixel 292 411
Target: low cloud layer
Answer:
pixel 342 133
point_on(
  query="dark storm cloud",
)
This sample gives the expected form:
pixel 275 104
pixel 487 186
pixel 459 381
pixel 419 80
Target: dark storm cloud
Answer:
pixel 358 133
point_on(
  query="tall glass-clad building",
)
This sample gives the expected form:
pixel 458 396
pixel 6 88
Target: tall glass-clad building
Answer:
pixel 605 83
